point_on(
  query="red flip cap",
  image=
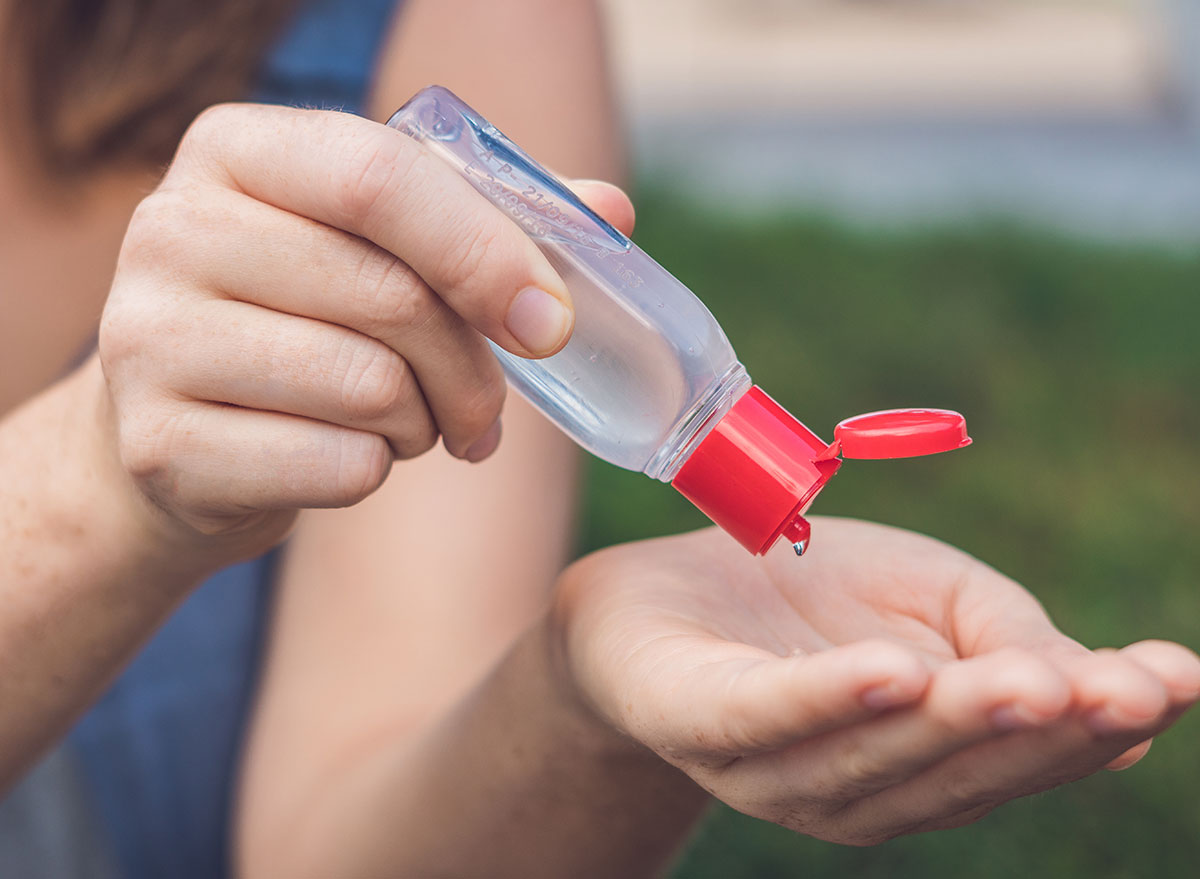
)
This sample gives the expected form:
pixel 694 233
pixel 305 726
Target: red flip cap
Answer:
pixel 759 469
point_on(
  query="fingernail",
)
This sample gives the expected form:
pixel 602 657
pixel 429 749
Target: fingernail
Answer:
pixel 538 321
pixel 484 446
pixel 1016 716
pixel 885 696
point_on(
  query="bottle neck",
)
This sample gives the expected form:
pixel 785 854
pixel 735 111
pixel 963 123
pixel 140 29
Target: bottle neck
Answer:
pixel 696 423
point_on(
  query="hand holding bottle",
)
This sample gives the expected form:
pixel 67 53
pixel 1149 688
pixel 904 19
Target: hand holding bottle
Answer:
pixel 887 684
pixel 303 300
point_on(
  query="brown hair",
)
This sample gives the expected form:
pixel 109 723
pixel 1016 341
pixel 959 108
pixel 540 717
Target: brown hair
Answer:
pixel 97 83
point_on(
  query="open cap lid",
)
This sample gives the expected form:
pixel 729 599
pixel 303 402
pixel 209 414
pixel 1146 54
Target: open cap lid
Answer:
pixel 758 469
pixel 899 433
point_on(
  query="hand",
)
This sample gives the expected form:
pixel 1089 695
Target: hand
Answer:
pixel 303 300
pixel 884 684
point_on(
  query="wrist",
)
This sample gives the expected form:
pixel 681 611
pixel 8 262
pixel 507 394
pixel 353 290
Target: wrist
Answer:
pixel 547 646
pixel 591 728
pixel 640 784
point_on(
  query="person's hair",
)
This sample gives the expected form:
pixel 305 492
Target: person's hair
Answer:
pixel 96 83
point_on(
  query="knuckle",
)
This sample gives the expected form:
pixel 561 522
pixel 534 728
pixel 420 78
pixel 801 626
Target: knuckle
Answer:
pixel 129 327
pixel 482 404
pixel 163 225
pixel 372 380
pixel 391 295
pixel 961 791
pixel 375 168
pixel 858 771
pixel 208 122
pixel 146 227
pixel 418 437
pixel 139 456
pixel 118 334
pixel 143 222
pixel 363 462
pixel 201 143
pixel 480 251
pixel 147 443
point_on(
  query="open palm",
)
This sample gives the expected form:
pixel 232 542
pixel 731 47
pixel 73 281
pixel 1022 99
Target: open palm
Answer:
pixel 884 684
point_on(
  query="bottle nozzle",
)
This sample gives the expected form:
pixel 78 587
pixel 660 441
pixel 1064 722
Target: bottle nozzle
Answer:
pixel 798 532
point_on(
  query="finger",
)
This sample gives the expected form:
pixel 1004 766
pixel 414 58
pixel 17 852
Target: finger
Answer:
pixel 240 354
pixel 967 702
pixel 1028 762
pixel 737 708
pixel 993 612
pixel 260 254
pixel 1176 667
pixel 219 461
pixel 377 183
pixel 1114 694
pixel 979 778
pixel 1130 757
pixel 607 200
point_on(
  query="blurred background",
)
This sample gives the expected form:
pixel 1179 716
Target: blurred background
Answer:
pixel 986 205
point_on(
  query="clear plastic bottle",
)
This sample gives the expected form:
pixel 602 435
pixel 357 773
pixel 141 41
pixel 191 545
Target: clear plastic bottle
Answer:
pixel 648 374
pixel 647 364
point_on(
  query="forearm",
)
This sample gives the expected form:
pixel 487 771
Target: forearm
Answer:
pixel 517 781
pixel 84 578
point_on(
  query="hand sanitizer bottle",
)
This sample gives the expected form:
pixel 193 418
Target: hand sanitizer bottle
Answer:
pixel 648 380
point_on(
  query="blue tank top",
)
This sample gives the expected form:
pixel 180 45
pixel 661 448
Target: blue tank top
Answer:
pixel 147 775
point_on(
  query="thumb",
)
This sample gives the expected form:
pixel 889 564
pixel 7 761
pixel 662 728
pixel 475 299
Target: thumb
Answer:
pixel 749 704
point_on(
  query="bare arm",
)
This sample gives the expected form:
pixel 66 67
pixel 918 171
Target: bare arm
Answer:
pixel 87 570
pixel 388 739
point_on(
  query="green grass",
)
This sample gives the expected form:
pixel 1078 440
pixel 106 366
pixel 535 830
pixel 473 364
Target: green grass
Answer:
pixel 1078 367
